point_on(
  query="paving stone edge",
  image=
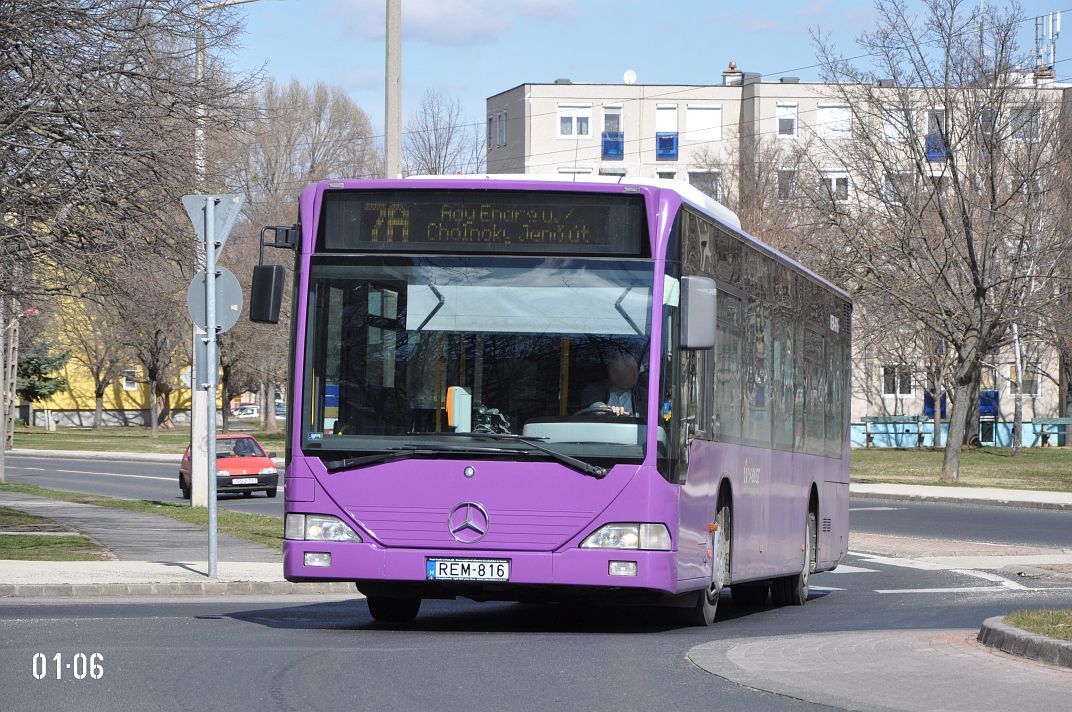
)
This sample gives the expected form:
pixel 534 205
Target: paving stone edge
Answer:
pixel 951 499
pixel 184 588
pixel 996 633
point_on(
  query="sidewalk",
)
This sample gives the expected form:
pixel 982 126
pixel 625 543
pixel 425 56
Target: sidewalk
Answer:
pixel 155 555
pixel 961 495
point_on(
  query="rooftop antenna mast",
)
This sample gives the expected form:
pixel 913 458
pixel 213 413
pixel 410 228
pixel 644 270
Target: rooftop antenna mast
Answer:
pixel 1055 31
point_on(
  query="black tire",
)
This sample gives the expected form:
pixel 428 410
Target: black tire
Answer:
pixel 270 492
pixel 752 594
pixel 703 609
pixel 185 492
pixel 393 610
pixel 793 590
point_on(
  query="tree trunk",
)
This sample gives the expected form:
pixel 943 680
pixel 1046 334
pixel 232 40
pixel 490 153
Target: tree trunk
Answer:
pixel 154 425
pixel 936 441
pixel 98 410
pixel 958 419
pixel 268 407
pixel 971 413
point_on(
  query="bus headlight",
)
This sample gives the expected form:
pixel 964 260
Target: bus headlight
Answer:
pixel 317 527
pixel 649 537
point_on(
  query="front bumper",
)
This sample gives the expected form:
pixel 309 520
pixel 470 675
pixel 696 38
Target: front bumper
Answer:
pixel 375 566
pixel 225 484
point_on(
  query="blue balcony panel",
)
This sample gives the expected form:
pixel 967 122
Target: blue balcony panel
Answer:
pixel 613 145
pixel 666 146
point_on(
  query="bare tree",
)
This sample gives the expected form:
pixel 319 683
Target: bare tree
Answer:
pixel 299 135
pixel 94 334
pixel 439 140
pixel 948 159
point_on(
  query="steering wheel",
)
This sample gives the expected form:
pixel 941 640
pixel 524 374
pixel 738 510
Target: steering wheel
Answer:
pixel 600 409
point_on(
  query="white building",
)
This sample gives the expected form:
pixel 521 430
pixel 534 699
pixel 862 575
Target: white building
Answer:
pixel 686 133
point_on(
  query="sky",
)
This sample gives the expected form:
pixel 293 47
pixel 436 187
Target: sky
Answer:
pixel 472 49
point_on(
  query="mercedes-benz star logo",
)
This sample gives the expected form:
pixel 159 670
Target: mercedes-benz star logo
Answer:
pixel 468 522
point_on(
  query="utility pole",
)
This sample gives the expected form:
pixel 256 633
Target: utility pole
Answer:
pixel 393 93
pixel 199 397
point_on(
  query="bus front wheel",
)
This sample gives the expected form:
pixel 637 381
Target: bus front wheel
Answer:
pixel 702 612
pixel 793 590
pixel 393 610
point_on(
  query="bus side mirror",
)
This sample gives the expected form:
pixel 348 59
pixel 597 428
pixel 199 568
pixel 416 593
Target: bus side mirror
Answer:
pixel 698 314
pixel 266 294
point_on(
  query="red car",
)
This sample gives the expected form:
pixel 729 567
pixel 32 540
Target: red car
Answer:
pixel 241 466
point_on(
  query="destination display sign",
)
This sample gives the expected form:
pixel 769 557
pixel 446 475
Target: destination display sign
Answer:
pixel 503 221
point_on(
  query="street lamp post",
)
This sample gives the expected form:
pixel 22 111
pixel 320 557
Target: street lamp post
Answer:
pixel 9 349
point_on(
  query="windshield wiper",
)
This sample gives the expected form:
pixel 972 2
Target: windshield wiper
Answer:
pixel 584 467
pixel 412 451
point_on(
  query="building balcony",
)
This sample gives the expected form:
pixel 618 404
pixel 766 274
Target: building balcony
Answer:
pixel 935 148
pixel 666 146
pixel 613 145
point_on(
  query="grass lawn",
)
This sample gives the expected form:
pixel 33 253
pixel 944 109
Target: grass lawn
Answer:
pixel 1035 469
pixel 127 439
pixel 254 527
pixel 31 538
pixel 1052 623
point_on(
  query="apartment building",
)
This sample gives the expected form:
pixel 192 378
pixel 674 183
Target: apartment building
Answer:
pixel 693 132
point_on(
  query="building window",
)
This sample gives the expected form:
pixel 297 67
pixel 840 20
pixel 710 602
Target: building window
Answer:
pixel 501 138
pixel 896 124
pixel 897 381
pixel 787 184
pixel 1025 123
pixel 836 184
pixel 613 138
pixel 896 187
pixel 573 120
pixel 491 131
pixel 786 114
pixel 1032 383
pixel 666 132
pixel 703 122
pixel 707 182
pixel 130 379
pixel 834 121
pixel 937 130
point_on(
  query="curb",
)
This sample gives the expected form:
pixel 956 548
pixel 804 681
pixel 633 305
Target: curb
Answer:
pixel 942 499
pixel 191 588
pixel 1015 641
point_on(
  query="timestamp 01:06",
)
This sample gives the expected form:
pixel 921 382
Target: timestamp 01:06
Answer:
pixel 80 666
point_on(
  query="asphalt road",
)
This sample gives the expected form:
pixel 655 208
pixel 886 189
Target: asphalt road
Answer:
pixel 292 653
pixel 123 478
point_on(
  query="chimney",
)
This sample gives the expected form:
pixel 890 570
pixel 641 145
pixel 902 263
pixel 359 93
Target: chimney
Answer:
pixel 731 76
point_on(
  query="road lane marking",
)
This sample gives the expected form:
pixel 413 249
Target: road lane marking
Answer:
pixel 846 569
pixel 876 509
pixel 115 474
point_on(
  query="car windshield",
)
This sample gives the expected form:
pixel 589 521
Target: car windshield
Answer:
pixel 238 447
pixel 402 349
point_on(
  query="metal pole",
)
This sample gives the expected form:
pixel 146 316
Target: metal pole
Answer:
pixel 198 430
pixel 11 374
pixel 393 92
pixel 210 372
pixel 3 385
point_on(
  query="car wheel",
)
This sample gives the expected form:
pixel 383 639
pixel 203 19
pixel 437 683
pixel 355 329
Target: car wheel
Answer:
pixel 185 492
pixel 393 610
pixel 270 492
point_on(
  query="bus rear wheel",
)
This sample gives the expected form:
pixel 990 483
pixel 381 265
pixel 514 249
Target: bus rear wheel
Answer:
pixel 793 590
pixel 386 609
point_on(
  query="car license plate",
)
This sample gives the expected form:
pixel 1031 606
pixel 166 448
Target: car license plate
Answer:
pixel 468 570
pixel 244 481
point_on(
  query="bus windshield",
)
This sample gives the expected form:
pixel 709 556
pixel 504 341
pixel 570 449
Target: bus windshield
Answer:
pixel 401 350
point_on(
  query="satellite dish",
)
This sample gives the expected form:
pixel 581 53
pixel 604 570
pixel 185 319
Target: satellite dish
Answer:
pixel 629 77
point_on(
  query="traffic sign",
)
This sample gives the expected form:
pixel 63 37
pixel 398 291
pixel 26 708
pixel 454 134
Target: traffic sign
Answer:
pixel 228 299
pixel 225 213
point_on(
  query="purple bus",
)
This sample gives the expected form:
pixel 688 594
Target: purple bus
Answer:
pixel 519 388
